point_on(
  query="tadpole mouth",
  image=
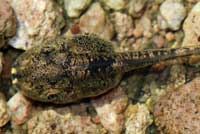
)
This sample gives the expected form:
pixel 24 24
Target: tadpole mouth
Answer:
pixel 17 72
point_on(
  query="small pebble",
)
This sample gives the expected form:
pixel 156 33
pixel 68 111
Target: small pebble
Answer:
pixel 159 41
pixel 51 122
pixel 7 22
pixel 75 7
pixel 169 36
pixel 115 4
pixel 191 27
pixel 135 7
pixel 144 26
pixel 19 109
pixel 37 22
pixel 110 108
pixel 4 116
pixel 138 119
pixel 173 12
pixel 178 112
pixel 138 32
pixel 96 21
pixel 123 24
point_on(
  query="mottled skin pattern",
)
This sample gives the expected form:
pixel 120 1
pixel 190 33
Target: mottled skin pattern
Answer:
pixel 67 70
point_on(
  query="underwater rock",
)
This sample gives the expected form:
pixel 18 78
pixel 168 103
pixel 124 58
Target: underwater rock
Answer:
pixel 191 30
pixel 137 119
pixel 50 119
pixel 173 77
pixel 191 27
pixel 179 110
pixel 38 21
pixel 110 108
pixel 7 22
pixel 75 7
pixel 96 21
pixel 144 26
pixel 173 12
pixel 135 7
pixel 19 109
pixel 115 4
pixel 123 24
pixel 51 122
pixel 4 116
pixel 159 41
pixel 170 36
pixel 177 76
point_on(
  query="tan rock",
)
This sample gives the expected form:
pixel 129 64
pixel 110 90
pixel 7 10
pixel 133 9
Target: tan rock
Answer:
pixel 96 21
pixel 135 7
pixel 51 122
pixel 178 111
pixel 110 108
pixel 138 32
pixel 19 109
pixel 191 27
pixel 137 119
pixel 7 22
pixel 75 7
pixel 123 23
pixel 173 12
pixel 4 117
pixel 143 25
pixel 115 4
pixel 170 36
pixel 38 21
pixel 159 41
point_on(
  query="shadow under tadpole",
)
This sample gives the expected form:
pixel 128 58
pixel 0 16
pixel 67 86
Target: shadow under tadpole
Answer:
pixel 9 56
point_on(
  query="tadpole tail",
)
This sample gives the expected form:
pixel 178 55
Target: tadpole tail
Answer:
pixel 137 59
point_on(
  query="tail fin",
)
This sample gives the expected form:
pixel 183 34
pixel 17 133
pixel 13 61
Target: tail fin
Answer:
pixel 138 59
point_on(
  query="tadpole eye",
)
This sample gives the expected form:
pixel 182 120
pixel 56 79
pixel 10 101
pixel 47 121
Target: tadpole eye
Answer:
pixel 52 97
